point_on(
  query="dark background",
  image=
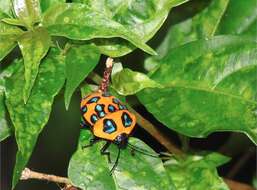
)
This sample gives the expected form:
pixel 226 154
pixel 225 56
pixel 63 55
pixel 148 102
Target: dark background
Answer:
pixel 59 138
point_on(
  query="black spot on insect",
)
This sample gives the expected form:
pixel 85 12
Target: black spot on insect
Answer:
pixel 99 107
pixel 122 107
pixel 115 100
pixel 109 126
pixel 84 109
pixel 126 119
pixel 93 118
pixel 84 124
pixel 111 108
pixel 93 100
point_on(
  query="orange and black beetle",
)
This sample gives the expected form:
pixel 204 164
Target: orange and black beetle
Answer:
pixel 107 118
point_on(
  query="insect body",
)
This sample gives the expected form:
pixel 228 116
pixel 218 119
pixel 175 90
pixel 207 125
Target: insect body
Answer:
pixel 108 118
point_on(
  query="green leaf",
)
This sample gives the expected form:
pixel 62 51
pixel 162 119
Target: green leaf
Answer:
pixel 240 15
pixel 128 82
pixel 34 46
pixel 197 172
pixel 13 21
pixel 64 20
pixel 28 11
pixel 80 61
pixel 6 7
pixel 144 18
pixel 8 37
pixel 5 130
pixel 29 119
pixel 49 3
pixel 201 26
pixel 210 85
pixel 88 169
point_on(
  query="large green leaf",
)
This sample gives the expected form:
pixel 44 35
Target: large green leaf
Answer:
pixel 28 11
pixel 80 61
pixel 127 82
pixel 240 15
pixel 29 119
pixel 201 26
pixel 81 22
pixel 144 18
pixel 88 169
pixel 34 46
pixel 210 85
pixel 197 172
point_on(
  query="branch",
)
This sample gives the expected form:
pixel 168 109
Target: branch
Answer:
pixel 234 185
pixel 29 174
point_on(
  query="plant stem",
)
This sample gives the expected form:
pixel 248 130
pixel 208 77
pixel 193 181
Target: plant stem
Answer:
pixel 155 132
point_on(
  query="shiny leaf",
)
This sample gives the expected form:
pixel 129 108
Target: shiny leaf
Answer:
pixel 34 46
pixel 88 169
pixel 27 11
pixel 29 119
pixel 202 25
pixel 81 22
pixel 80 61
pixel 239 16
pixel 210 85
pixel 128 82
pixel 197 172
pixel 143 18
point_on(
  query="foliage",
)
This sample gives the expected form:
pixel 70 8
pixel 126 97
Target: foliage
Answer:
pixel 203 80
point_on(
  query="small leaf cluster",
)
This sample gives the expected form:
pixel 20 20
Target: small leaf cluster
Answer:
pixel 201 80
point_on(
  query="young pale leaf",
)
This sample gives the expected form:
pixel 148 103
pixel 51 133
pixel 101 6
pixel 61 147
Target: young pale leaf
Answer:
pixel 27 11
pixel 49 3
pixel 5 130
pixel 88 169
pixel 29 119
pixel 240 15
pixel 6 7
pixel 197 172
pixel 80 61
pixel 210 85
pixel 143 18
pixel 201 26
pixel 34 46
pixel 8 37
pixel 128 82
pixel 80 22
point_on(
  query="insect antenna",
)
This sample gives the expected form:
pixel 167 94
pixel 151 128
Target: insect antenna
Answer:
pixel 143 151
pixel 116 162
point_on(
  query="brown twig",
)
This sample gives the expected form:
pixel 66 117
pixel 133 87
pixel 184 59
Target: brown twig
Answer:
pixel 155 132
pixel 29 174
pixel 234 185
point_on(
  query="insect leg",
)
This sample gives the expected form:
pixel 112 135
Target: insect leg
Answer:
pixel 105 152
pixel 91 142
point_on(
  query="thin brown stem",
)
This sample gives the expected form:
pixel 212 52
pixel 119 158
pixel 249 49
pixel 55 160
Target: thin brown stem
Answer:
pixel 234 185
pixel 156 133
pixel 29 174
